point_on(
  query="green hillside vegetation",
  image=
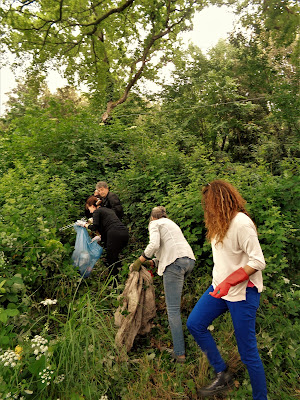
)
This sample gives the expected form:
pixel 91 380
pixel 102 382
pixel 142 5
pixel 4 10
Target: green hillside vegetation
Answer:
pixel 233 115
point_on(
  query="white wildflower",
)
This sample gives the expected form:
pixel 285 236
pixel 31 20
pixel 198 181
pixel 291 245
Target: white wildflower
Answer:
pixel 46 375
pixel 39 345
pixel 91 348
pixel 59 379
pixel 9 358
pixel 286 280
pixel 210 327
pixel 48 302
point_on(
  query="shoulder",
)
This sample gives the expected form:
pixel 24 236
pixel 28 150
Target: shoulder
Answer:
pixel 155 224
pixel 167 223
pixel 242 219
pixel 104 211
pixel 96 212
pixel 243 225
pixel 112 196
pixel 163 221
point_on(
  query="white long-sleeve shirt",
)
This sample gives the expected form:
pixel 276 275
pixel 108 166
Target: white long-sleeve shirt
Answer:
pixel 240 247
pixel 167 243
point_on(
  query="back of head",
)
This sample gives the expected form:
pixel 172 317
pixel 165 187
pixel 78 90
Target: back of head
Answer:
pixel 158 212
pixel 221 201
pixel 92 201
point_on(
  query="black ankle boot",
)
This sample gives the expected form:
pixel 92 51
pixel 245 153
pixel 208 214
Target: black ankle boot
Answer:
pixel 222 381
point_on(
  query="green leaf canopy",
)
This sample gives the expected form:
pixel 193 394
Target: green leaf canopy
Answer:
pixel 107 45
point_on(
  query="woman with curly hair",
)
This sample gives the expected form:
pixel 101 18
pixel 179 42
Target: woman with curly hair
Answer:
pixel 236 286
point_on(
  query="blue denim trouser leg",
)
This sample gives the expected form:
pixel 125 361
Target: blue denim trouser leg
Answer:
pixel 243 314
pixel 173 279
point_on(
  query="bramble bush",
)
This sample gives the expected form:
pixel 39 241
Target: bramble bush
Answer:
pixel 33 207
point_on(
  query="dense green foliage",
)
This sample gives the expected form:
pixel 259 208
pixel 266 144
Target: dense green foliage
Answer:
pixel 108 45
pixel 230 115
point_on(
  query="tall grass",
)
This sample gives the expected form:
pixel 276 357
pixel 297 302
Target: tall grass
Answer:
pixel 85 352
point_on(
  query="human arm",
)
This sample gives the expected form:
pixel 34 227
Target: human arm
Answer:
pixel 136 265
pixel 97 238
pixel 153 246
pixel 248 243
pixel 94 223
pixel 238 276
pixel 115 204
pixel 154 240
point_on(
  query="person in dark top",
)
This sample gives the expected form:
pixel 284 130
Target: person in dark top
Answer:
pixel 109 199
pixel 114 234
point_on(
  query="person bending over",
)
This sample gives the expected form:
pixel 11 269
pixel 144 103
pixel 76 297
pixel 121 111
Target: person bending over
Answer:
pixel 175 260
pixel 114 234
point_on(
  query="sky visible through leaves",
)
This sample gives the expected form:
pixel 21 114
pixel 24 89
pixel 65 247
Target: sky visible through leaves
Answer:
pixel 210 25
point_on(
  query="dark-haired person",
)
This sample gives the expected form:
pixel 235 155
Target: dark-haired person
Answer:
pixel 236 286
pixel 114 234
pixel 175 260
pixel 109 199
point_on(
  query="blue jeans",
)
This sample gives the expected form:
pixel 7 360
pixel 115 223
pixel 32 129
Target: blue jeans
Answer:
pixel 243 314
pixel 173 279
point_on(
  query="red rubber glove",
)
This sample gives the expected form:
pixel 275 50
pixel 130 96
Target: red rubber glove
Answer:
pixel 233 279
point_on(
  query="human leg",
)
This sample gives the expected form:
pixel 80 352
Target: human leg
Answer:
pixel 116 241
pixel 173 279
pixel 243 314
pixel 205 311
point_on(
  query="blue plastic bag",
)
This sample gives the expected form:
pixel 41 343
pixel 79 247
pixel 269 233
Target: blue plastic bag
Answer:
pixel 86 252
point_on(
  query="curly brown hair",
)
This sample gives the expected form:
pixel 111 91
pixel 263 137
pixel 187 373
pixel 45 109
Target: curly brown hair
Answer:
pixel 221 201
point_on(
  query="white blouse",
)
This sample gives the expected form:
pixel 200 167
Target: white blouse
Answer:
pixel 240 247
pixel 167 243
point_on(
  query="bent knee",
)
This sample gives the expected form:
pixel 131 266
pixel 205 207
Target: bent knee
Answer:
pixel 195 326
